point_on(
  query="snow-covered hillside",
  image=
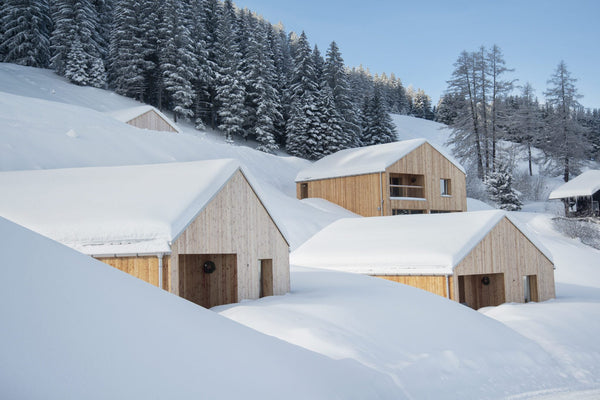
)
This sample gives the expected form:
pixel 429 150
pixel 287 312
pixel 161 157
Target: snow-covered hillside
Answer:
pixel 388 341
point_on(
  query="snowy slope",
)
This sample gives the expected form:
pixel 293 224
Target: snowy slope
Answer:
pixel 429 347
pixel 74 328
pixel 414 128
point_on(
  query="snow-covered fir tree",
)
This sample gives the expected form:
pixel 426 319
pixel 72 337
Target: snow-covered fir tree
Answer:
pixel 176 57
pixel 128 50
pixel 76 53
pixel 303 89
pixel 336 77
pixel 377 126
pixel 231 93
pixel 25 32
pixel 500 190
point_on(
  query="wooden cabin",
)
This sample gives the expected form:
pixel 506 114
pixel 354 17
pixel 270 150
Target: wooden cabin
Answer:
pixel 479 259
pixel 200 230
pixel 581 195
pixel 145 117
pixel 407 177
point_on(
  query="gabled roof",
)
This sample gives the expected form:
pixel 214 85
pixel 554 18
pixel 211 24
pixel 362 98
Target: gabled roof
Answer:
pixel 431 244
pixel 127 114
pixel 115 210
pixel 585 184
pixel 364 160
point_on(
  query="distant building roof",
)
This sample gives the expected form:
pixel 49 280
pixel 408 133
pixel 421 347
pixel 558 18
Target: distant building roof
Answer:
pixel 115 210
pixel 431 244
pixel 364 160
pixel 585 184
pixel 128 114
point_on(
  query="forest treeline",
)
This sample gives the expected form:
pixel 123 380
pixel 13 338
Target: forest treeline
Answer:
pixel 214 64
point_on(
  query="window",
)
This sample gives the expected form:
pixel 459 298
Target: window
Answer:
pixel 445 187
pixel 406 185
pixel 396 211
pixel 303 191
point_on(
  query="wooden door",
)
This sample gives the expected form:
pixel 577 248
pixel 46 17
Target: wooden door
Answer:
pixel 208 280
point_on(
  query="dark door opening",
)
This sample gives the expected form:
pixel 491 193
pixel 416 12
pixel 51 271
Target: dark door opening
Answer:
pixel 530 288
pixel 303 191
pixel 266 277
pixel 482 290
pixel 208 279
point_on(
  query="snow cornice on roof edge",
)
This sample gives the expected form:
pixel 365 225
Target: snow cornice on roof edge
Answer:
pixel 585 184
pixel 365 160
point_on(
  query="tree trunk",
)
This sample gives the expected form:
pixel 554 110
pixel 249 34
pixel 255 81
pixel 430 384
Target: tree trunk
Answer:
pixel 529 158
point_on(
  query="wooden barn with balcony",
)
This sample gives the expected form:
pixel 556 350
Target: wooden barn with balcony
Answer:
pixel 479 259
pixel 200 229
pixel 407 177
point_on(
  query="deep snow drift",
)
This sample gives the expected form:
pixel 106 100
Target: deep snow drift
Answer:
pixel 75 328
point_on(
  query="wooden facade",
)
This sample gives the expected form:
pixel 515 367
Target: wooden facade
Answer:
pixel 151 120
pixel 370 195
pixel 234 231
pixel 494 272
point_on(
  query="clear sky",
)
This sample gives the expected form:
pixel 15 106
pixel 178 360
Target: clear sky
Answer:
pixel 420 40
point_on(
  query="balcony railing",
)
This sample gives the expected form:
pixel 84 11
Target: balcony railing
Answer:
pixel 406 191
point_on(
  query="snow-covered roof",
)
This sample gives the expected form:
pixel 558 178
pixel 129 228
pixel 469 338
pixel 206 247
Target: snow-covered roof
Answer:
pixel 431 244
pixel 127 114
pixel 585 184
pixel 364 160
pixel 115 210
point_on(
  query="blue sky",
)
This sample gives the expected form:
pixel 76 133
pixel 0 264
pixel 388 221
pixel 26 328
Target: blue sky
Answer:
pixel 420 40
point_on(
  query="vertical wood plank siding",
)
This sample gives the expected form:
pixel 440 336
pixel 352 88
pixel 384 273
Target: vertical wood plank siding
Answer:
pixel 236 222
pixel 506 250
pixel 361 194
pixel 426 160
pixel 433 284
pixel 144 268
pixel 151 120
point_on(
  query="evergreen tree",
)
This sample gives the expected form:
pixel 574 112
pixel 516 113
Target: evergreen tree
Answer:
pixel 336 78
pixel 303 89
pixel 378 127
pixel 128 50
pixel 230 89
pixel 176 58
pixel 25 32
pixel 500 190
pixel 76 53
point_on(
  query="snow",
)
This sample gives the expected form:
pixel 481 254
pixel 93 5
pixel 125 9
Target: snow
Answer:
pixel 405 244
pixel 477 205
pixel 79 329
pixel 127 114
pixel 363 160
pixel 115 210
pixel 585 184
pixel 412 128
pixel 75 328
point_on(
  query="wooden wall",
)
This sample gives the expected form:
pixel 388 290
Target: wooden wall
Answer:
pixel 236 222
pixel 432 283
pixel 506 250
pixel 142 267
pixel 360 194
pixel 426 160
pixel 151 120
